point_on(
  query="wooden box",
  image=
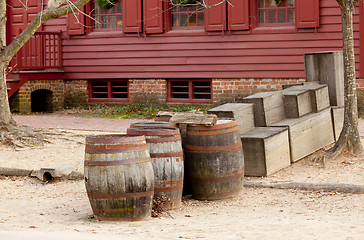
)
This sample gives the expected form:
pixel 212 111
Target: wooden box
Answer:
pixel 297 102
pixel 268 107
pixel 327 68
pixel 309 133
pixel 266 151
pixel 242 113
pixel 337 114
pixel 319 96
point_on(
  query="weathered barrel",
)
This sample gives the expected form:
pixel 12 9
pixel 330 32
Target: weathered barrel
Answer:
pixel 119 177
pixel 214 160
pixel 153 124
pixel 165 149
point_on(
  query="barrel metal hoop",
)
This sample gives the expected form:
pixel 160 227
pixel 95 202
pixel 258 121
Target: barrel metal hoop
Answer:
pixel 167 154
pixel 236 146
pixel 117 162
pixel 139 131
pixel 221 179
pixel 168 189
pixel 120 195
pixel 114 139
pixel 114 148
pixel 164 139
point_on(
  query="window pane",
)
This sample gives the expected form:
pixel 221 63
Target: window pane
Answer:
pixel 188 16
pixel 282 15
pixel 192 20
pixel 271 13
pixel 184 20
pixel 108 19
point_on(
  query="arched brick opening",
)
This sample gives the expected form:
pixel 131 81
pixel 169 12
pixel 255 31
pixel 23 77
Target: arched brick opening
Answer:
pixel 41 100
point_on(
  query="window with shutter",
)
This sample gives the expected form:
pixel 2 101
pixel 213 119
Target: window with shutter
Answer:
pixel 132 19
pixel 215 16
pixel 76 22
pixel 238 15
pixel 307 13
pixel 153 16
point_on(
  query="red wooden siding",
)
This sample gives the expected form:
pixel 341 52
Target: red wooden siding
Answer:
pixel 254 53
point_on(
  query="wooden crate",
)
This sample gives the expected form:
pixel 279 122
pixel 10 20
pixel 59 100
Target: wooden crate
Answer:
pixel 297 102
pixel 268 107
pixel 242 113
pixel 319 95
pixel 337 114
pixel 309 133
pixel 327 68
pixel 266 150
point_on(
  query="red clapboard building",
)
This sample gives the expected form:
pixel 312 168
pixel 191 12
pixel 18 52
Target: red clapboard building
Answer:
pixel 153 50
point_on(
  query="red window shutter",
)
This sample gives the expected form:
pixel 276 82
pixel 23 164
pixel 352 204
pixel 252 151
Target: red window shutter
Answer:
pixel 76 22
pixel 215 17
pixel 307 13
pixel 153 16
pixel 238 14
pixel 132 16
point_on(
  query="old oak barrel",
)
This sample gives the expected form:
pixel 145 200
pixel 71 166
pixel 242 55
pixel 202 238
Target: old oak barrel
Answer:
pixel 214 160
pixel 119 177
pixel 165 149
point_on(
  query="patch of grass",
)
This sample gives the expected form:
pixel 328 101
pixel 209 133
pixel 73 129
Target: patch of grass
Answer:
pixel 140 110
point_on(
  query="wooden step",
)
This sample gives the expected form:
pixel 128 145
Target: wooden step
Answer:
pixel 266 151
pixel 268 107
pixel 297 102
pixel 309 133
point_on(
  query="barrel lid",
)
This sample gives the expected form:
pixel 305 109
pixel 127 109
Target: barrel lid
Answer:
pixel 153 131
pixel 153 124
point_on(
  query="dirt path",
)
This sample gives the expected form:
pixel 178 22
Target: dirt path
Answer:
pixel 31 209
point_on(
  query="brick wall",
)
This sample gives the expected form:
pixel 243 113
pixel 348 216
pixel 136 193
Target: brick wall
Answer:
pixel 147 90
pixel 232 90
pixel 55 86
pixel 360 84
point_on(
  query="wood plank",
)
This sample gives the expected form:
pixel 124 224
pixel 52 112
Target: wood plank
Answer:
pixel 194 118
pixel 309 133
pixel 337 114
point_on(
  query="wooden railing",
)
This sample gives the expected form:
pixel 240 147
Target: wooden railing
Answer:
pixel 42 51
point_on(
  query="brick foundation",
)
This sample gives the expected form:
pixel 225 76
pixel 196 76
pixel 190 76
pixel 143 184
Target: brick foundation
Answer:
pixel 147 90
pixel 232 90
pixel 24 94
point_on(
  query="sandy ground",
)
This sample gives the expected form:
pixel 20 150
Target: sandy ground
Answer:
pixel 31 209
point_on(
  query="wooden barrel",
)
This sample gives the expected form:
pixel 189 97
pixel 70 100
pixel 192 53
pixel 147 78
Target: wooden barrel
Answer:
pixel 119 177
pixel 153 124
pixel 165 149
pixel 214 160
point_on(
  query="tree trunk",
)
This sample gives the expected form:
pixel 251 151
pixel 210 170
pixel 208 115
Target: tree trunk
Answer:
pixel 349 136
pixel 5 115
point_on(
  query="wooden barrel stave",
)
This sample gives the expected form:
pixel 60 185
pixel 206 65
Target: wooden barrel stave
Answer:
pixel 120 186
pixel 214 161
pixel 166 152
